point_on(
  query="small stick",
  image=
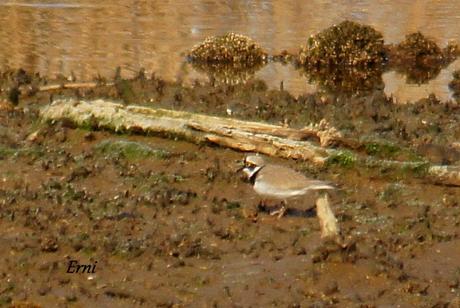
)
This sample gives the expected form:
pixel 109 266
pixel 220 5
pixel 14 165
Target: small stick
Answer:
pixel 70 85
pixel 327 220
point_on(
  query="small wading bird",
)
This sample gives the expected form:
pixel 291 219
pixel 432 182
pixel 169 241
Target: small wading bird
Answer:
pixel 278 182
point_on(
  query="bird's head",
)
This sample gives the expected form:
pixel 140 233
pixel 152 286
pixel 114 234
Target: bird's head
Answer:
pixel 252 165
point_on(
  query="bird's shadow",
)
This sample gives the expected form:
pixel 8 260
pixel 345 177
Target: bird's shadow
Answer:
pixel 293 212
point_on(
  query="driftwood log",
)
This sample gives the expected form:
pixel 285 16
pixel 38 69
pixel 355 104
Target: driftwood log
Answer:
pixel 245 136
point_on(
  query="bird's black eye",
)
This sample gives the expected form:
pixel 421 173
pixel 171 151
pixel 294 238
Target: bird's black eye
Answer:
pixel 249 164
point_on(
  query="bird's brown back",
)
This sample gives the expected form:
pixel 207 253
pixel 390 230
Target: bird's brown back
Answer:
pixel 281 177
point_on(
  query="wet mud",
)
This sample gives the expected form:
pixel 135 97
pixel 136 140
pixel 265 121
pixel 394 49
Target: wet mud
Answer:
pixel 171 224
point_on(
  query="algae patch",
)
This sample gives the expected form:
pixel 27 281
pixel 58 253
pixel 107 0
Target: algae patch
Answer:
pixel 130 150
pixel 342 158
pixel 381 149
pixel 6 152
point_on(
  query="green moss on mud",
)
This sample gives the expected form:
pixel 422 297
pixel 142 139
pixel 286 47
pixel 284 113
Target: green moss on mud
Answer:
pixel 417 169
pixel 344 159
pixel 7 152
pixel 386 150
pixel 130 150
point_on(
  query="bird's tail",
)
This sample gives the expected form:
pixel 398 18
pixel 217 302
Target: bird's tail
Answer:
pixel 318 185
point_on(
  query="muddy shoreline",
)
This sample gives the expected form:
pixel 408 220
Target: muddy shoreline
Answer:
pixel 171 224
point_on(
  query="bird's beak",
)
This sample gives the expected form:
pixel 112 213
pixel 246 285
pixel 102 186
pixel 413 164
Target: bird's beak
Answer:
pixel 241 165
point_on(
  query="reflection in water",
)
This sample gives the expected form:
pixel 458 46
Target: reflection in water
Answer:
pixel 420 58
pixel 90 38
pixel 396 85
pixel 419 74
pixel 291 78
pixel 228 59
pixel 346 80
pixel 227 73
pixel 347 58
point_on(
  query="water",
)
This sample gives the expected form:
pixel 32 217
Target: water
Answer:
pixel 90 38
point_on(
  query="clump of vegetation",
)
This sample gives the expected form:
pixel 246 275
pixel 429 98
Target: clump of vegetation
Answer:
pixel 342 158
pixel 381 149
pixel 344 58
pixel 346 44
pixel 129 149
pixel 454 85
pixel 228 48
pixel 420 58
pixel 417 45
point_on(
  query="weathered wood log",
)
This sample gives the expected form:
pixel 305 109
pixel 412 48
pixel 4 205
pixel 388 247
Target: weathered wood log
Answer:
pixel 240 135
pixel 191 126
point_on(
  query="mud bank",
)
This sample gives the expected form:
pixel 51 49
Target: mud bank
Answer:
pixel 171 223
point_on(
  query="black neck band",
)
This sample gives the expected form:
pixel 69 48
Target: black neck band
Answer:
pixel 252 179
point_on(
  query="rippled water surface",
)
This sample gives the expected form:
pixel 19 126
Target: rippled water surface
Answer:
pixel 94 37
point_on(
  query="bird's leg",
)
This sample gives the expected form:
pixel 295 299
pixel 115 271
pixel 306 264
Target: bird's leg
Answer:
pixel 281 212
pixel 283 209
pixel 262 205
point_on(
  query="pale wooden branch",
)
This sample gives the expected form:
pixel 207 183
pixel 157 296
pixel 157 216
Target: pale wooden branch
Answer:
pixel 327 220
pixel 263 143
pixel 69 85
pixel 240 135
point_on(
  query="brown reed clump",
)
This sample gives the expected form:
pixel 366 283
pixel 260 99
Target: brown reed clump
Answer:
pixel 228 48
pixel 347 44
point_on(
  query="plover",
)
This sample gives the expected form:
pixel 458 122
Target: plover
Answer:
pixel 278 182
